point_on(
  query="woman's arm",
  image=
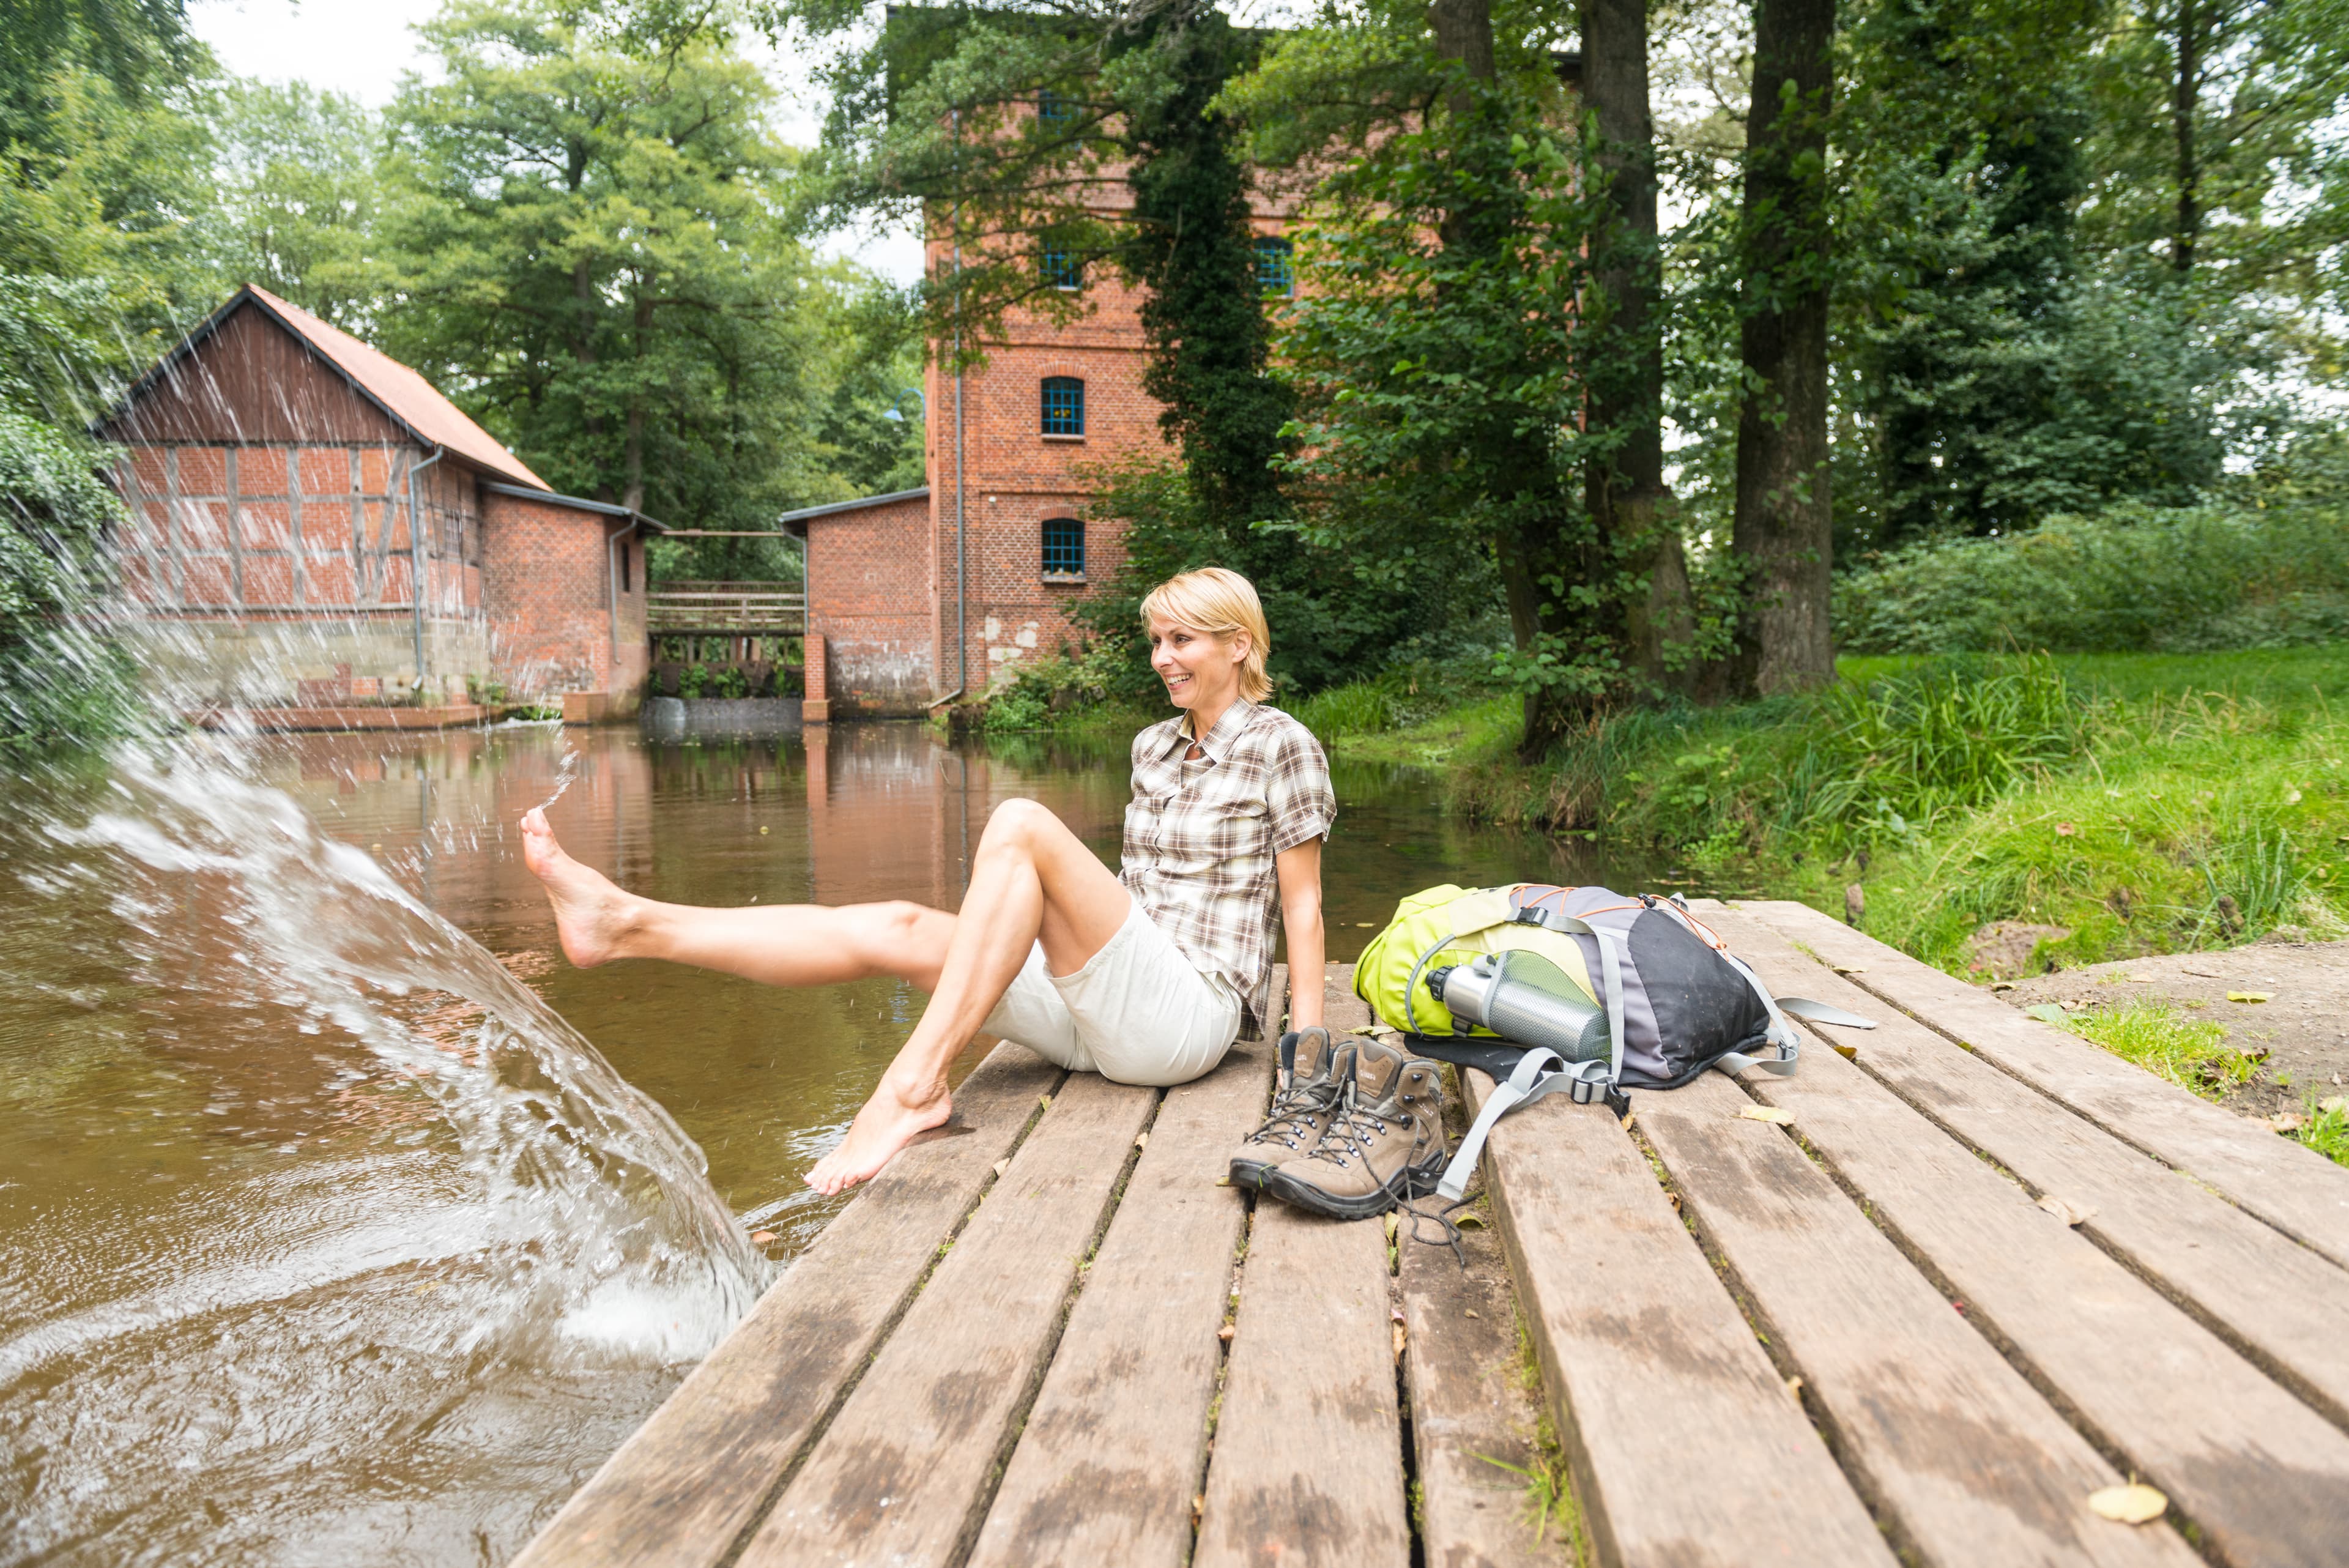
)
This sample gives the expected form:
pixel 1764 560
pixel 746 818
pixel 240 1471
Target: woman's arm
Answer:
pixel 1299 870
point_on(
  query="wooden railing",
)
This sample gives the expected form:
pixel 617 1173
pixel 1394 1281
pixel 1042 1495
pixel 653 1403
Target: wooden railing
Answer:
pixel 761 608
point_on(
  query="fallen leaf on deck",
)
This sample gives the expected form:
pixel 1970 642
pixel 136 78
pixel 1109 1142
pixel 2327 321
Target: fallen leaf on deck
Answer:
pixel 2046 1011
pixel 1851 969
pixel 2137 1503
pixel 1392 1221
pixel 1399 1337
pixel 2248 996
pixel 1794 1388
pixel 1142 1140
pixel 2002 985
pixel 2286 1122
pixel 1770 1113
pixel 761 1237
pixel 1848 1052
pixel 1226 1333
pixel 1002 1166
pixel 2065 1212
pixel 1471 1221
pixel 1223 1181
pixel 1045 1101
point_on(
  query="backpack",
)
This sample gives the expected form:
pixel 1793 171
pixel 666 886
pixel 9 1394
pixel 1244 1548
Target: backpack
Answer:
pixel 1677 1002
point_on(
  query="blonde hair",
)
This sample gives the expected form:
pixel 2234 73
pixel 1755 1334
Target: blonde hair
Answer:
pixel 1222 604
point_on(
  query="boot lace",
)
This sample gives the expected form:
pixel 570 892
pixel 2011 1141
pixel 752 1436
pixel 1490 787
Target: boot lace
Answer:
pixel 1293 1113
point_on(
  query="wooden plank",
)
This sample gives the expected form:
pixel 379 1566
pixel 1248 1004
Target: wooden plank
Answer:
pixel 2285 1304
pixel 1307 1465
pixel 1110 1459
pixel 2292 1187
pixel 2264 1476
pixel 1686 1448
pixel 900 1475
pixel 1470 1408
pixel 1967 1462
pixel 681 1489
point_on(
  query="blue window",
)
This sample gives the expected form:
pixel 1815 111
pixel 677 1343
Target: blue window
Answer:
pixel 1065 547
pixel 1054 110
pixel 1276 268
pixel 1064 406
pixel 1061 269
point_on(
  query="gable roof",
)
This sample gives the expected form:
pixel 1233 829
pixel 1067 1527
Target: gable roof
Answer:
pixel 405 396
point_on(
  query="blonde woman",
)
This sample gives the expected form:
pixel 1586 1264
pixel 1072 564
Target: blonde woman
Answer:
pixel 1146 976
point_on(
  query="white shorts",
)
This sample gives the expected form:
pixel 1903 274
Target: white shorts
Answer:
pixel 1137 1012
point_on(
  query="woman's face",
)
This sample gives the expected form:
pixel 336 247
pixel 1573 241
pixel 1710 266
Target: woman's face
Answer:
pixel 1200 668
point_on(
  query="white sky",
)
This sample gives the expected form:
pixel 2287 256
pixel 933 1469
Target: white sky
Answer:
pixel 362 46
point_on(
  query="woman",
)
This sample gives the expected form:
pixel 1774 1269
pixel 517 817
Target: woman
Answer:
pixel 1146 977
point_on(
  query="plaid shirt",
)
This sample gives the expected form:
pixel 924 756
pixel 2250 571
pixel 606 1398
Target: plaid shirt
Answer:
pixel 1200 838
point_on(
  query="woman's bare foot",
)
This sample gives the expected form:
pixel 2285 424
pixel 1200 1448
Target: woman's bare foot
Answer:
pixel 591 915
pixel 890 1120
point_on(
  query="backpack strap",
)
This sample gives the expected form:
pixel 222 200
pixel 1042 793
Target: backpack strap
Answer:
pixel 1411 986
pixel 1588 1083
pixel 1538 1073
pixel 1782 1033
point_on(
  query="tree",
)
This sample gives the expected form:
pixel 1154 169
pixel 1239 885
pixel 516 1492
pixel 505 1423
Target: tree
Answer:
pixel 1783 530
pixel 299 200
pixel 588 224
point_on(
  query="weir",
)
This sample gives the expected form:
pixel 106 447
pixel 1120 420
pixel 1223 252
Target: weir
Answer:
pixel 1940 1297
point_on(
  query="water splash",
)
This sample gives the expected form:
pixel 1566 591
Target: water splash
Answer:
pixel 566 774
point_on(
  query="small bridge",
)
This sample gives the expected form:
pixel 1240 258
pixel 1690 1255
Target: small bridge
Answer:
pixel 695 609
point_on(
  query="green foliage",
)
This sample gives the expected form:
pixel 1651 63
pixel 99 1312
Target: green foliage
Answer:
pixel 2326 1131
pixel 2188 1052
pixel 299 199
pixel 693 681
pixel 2131 579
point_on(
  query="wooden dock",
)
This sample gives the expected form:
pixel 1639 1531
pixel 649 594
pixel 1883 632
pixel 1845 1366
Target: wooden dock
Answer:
pixel 1985 1272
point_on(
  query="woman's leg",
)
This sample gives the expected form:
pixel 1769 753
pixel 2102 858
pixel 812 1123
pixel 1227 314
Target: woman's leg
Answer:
pixel 779 944
pixel 1032 880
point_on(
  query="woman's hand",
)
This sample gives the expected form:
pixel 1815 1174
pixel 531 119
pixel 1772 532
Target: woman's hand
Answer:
pixel 1299 870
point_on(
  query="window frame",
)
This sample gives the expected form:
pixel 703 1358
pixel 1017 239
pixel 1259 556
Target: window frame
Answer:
pixel 1072 530
pixel 1072 413
pixel 1279 252
pixel 1061 269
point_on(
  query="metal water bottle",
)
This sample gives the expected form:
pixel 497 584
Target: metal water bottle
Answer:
pixel 1526 999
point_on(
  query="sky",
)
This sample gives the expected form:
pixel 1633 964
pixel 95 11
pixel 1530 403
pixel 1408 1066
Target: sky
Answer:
pixel 361 47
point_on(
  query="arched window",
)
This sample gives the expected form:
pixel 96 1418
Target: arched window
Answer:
pixel 1275 267
pixel 1064 406
pixel 1061 269
pixel 1064 549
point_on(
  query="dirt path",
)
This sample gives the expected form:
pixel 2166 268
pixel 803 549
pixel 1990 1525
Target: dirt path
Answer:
pixel 2305 1024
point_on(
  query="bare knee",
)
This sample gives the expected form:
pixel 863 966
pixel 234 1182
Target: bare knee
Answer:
pixel 1018 823
pixel 904 938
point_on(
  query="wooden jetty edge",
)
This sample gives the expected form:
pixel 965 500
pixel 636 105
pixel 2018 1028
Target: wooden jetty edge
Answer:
pixel 1984 1271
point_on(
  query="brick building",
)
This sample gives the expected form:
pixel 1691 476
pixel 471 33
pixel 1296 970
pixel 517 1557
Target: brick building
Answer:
pixel 281 475
pixel 1000 543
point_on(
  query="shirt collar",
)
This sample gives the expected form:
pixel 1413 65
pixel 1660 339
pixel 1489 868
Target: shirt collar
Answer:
pixel 1227 729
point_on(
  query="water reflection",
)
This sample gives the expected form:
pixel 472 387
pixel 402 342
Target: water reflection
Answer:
pixel 316 1238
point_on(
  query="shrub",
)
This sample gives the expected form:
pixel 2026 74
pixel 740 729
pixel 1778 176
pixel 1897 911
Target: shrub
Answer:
pixel 2132 579
pixel 730 682
pixel 693 680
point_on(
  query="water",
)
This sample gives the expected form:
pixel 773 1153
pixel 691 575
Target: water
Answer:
pixel 325 1232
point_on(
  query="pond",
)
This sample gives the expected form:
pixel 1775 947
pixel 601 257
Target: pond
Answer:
pixel 340 1218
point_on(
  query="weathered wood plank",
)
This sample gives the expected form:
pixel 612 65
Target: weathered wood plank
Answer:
pixel 2264 1476
pixel 685 1483
pixel 2290 1187
pixel 899 1475
pixel 1105 1470
pixel 1471 1410
pixel 1967 1461
pixel 1686 1448
pixel 1307 1467
pixel 2288 1304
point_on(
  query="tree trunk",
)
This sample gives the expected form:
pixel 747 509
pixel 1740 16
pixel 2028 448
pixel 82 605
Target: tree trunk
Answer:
pixel 1626 492
pixel 2184 103
pixel 1783 529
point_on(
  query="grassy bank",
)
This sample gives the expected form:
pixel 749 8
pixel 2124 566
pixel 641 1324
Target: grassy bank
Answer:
pixel 2139 804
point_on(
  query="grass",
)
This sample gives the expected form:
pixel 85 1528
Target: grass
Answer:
pixel 2327 1132
pixel 2155 803
pixel 2158 1038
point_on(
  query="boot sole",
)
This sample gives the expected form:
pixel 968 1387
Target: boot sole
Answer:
pixel 1409 1182
pixel 1251 1173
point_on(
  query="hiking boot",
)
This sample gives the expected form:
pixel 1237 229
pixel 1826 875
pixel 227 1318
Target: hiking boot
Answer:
pixel 1321 1069
pixel 1384 1146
